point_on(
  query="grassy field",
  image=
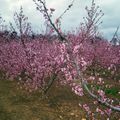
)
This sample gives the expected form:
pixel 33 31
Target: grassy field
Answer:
pixel 60 104
pixel 18 105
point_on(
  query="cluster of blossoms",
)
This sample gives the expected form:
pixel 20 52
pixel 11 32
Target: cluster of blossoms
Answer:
pixel 77 89
pixel 44 58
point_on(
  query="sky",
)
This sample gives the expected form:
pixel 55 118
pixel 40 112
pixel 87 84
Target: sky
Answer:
pixel 71 20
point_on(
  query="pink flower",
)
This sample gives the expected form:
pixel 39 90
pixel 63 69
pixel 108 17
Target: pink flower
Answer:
pixel 99 111
pixel 87 108
pixel 78 90
pixel 108 111
pixel 92 78
pixel 76 48
pixel 101 93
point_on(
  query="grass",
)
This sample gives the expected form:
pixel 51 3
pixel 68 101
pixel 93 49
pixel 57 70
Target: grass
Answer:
pixel 113 91
pixel 60 104
pixel 16 104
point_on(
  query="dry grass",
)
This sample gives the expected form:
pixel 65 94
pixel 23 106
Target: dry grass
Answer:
pixel 60 104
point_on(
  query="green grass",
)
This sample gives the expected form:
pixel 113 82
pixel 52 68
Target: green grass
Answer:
pixel 114 91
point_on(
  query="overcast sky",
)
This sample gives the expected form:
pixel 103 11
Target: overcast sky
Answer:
pixel 71 20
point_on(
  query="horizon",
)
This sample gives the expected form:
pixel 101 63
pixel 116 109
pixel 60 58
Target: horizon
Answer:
pixel 109 7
